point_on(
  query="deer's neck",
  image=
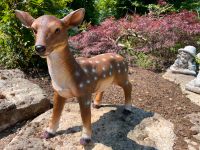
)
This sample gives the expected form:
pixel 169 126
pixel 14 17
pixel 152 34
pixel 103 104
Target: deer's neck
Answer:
pixel 62 65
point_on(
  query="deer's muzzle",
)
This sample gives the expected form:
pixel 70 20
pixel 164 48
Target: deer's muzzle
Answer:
pixel 40 49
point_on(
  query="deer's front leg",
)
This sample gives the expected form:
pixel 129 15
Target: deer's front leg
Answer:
pixel 59 103
pixel 85 109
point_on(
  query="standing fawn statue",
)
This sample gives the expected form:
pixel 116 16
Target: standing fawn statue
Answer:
pixel 75 77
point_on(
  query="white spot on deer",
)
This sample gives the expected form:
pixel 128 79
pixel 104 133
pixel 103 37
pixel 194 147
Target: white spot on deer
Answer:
pixel 118 56
pixel 125 70
pixel 119 71
pixel 77 73
pixel 97 61
pixel 127 82
pixel 95 78
pixel 111 66
pixel 104 75
pixel 93 70
pixel 103 59
pixel 103 68
pixel 88 81
pixel 81 85
pixel 85 70
pixel 118 64
pixel 110 73
pixel 87 103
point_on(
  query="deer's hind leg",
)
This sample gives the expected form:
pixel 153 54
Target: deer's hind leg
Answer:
pixel 127 92
pixel 124 82
pixel 97 100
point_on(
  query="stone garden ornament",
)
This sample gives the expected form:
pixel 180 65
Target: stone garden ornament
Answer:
pixel 185 62
pixel 194 85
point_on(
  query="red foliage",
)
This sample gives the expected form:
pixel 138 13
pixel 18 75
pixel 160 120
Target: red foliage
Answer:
pixel 163 32
pixel 161 2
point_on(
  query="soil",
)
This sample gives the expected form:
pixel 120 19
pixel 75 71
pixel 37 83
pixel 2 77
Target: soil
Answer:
pixel 150 92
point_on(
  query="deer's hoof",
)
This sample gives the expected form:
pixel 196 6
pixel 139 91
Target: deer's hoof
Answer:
pixel 85 141
pixel 96 106
pixel 47 135
pixel 126 112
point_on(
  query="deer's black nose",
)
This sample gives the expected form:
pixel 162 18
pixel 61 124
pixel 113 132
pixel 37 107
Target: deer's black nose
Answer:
pixel 40 48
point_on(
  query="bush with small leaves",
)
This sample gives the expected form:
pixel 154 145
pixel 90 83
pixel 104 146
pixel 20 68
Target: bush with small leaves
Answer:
pixel 16 42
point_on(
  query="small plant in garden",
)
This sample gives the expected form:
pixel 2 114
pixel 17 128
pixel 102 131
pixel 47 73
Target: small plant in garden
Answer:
pixel 157 10
pixel 106 8
pixel 143 60
pixel 197 60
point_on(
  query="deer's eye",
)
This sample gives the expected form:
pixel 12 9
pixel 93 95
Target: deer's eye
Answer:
pixel 35 31
pixel 57 30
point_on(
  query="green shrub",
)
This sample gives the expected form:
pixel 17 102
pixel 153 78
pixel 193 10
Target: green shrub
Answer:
pixel 106 8
pixel 16 42
pixel 188 4
pixel 119 8
pixel 91 14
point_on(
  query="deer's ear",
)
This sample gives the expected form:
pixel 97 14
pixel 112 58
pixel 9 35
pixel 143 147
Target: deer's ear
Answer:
pixel 25 18
pixel 74 18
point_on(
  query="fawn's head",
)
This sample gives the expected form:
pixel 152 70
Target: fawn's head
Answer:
pixel 50 32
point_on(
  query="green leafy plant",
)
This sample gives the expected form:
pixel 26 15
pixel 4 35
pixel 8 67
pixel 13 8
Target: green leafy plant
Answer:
pixel 130 40
pixel 143 60
pixel 91 13
pixel 106 8
pixel 157 10
pixel 16 42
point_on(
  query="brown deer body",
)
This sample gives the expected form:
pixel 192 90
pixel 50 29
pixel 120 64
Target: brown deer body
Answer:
pixel 75 77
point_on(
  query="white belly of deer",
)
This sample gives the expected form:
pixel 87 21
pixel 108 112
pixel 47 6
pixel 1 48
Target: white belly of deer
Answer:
pixel 64 92
pixel 103 84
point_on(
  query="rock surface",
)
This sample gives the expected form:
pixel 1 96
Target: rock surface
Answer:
pixel 19 98
pixel 111 130
pixel 193 143
pixel 182 80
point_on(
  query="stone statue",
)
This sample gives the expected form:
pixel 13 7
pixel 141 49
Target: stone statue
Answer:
pixel 194 85
pixel 185 62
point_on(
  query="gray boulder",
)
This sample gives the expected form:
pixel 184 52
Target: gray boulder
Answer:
pixel 19 98
pixel 111 130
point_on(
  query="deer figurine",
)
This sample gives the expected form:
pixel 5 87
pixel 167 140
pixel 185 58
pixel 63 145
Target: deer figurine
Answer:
pixel 75 77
